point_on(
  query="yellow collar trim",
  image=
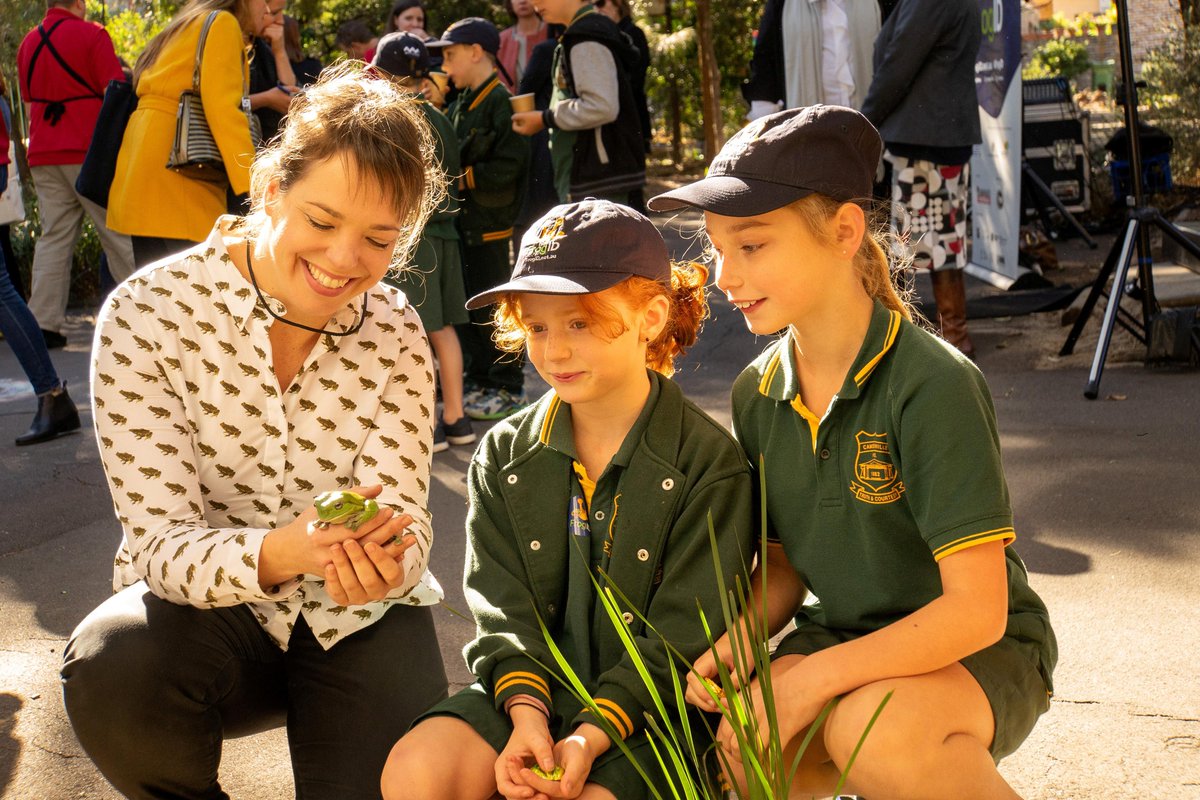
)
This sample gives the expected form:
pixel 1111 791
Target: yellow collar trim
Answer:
pixel 484 92
pixel 894 319
pixel 764 385
pixel 548 422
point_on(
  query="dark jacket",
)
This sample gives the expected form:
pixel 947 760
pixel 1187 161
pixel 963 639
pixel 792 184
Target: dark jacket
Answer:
pixel 494 162
pixel 684 467
pixel 610 159
pixel 923 92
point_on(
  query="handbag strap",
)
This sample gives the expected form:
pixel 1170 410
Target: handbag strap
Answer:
pixel 200 49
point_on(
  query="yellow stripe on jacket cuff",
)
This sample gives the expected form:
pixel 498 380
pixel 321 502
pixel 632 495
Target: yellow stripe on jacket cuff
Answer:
pixel 522 679
pixel 469 177
pixel 616 716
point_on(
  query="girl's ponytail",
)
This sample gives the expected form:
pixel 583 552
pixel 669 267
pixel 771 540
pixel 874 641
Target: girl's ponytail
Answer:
pixel 689 309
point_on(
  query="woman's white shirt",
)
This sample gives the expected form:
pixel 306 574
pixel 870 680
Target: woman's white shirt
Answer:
pixel 205 456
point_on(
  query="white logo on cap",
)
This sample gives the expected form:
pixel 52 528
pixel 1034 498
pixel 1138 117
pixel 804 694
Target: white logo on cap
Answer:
pixel 412 51
pixel 547 239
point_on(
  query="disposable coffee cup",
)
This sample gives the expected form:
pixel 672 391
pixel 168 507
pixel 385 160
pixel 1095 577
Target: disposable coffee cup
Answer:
pixel 441 80
pixel 522 102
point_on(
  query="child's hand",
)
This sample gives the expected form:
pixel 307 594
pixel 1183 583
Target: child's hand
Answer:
pixel 530 739
pixel 575 754
pixel 792 715
pixel 527 123
pixel 705 667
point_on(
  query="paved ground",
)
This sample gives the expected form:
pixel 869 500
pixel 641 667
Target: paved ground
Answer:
pixel 1106 495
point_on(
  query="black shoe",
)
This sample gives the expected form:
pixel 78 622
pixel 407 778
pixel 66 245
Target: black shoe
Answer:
pixel 56 414
pixel 54 340
pixel 459 432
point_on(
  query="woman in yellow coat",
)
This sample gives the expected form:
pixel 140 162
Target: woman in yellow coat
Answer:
pixel 163 211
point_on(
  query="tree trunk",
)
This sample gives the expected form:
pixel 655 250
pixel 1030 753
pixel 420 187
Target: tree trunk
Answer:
pixel 674 100
pixel 710 80
pixel 1189 10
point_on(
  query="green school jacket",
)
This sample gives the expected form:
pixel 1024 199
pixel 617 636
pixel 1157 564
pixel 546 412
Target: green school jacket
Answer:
pixel 684 467
pixel 495 163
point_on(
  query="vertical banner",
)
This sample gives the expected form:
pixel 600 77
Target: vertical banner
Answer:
pixel 996 164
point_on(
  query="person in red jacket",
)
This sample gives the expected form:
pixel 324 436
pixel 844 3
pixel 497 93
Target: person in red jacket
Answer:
pixel 65 64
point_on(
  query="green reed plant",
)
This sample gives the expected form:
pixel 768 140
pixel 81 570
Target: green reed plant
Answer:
pixel 683 764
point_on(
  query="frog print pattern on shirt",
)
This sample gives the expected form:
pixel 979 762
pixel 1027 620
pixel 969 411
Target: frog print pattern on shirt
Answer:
pixel 205 455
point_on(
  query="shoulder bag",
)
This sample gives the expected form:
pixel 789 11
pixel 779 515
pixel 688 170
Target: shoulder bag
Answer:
pixel 100 164
pixel 194 151
pixel 12 201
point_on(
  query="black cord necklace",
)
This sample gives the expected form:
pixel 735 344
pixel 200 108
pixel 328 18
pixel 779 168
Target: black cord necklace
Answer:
pixel 362 316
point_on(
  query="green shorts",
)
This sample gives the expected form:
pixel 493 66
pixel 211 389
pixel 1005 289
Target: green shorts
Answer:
pixel 1008 672
pixel 474 706
pixel 433 283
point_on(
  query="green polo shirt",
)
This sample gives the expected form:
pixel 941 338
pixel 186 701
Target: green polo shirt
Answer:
pixel 904 469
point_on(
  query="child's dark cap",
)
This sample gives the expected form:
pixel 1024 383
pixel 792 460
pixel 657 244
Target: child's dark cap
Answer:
pixel 472 30
pixel 781 158
pixel 403 55
pixel 582 248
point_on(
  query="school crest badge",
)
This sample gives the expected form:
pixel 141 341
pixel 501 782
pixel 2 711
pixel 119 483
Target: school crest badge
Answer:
pixel 876 479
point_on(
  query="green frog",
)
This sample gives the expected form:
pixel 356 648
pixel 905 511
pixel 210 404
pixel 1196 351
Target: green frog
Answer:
pixel 555 774
pixel 344 508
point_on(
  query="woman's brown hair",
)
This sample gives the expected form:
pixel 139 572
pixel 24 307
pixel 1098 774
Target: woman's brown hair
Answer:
pixel 376 128
pixel 688 310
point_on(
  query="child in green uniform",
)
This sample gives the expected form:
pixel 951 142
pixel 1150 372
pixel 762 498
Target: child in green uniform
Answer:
pixel 886 497
pixel 433 279
pixel 611 471
pixel 495 160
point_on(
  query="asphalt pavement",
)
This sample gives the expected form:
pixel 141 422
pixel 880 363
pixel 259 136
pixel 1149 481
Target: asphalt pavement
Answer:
pixel 1107 501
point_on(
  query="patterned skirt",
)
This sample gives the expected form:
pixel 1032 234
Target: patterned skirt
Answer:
pixel 929 211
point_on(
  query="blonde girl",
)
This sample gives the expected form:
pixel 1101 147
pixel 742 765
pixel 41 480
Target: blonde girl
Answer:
pixel 887 511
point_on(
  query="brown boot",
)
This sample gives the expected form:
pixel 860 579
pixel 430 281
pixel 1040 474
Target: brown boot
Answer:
pixel 950 293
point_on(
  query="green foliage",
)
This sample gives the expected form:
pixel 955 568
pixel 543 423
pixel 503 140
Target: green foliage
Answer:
pixel 1083 24
pixel 1066 58
pixel 685 770
pixel 675 62
pixel 320 19
pixel 1172 75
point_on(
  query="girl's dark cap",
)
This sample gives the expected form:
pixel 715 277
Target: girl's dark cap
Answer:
pixel 583 248
pixel 783 157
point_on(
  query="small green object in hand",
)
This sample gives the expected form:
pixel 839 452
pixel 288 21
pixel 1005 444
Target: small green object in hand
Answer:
pixel 344 508
pixel 553 775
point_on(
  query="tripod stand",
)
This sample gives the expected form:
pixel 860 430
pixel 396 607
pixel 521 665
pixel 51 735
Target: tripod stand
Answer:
pixel 1137 235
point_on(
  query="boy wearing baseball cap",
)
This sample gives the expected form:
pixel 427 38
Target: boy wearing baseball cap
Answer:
pixel 885 488
pixel 433 280
pixel 610 476
pixel 494 161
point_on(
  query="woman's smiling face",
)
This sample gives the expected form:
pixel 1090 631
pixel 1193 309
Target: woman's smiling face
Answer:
pixel 328 238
